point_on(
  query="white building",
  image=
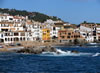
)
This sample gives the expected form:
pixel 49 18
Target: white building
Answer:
pixel 6 18
pixel 36 29
pixel 11 26
pixel 50 21
pixel 98 33
pixel 87 33
pixel 54 31
pixel 11 37
pixel 12 30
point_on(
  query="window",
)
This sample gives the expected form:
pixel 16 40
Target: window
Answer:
pixel 94 33
pixel 62 36
pixel 54 28
pixel 54 32
pixel 8 34
pixel 22 34
pixel 44 33
pixel 71 36
pixel 10 18
pixel 84 34
pixel 69 33
pixel 4 29
pixel 11 39
pixel 48 31
pixel 94 38
pixel 5 39
pixel 66 27
pixel 79 36
pixel 74 36
pixel 15 34
pixel 2 35
pixel 70 40
pixel 1 17
pixel 24 39
pixel 68 36
pixel 5 34
pixel 21 39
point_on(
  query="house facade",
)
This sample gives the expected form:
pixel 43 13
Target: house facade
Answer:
pixel 46 34
pixel 69 36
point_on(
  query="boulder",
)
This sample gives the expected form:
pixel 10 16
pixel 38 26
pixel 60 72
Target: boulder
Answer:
pixel 37 50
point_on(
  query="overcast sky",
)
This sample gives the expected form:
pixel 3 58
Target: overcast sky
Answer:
pixel 73 11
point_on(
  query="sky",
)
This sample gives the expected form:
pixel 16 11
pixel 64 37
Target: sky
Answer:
pixel 73 11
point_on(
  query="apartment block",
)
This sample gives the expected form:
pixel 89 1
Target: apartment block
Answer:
pixel 67 36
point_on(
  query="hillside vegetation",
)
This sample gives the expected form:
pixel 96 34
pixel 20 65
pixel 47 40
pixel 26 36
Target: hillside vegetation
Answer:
pixel 32 15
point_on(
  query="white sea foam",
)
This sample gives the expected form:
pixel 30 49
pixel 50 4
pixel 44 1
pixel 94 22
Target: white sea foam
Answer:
pixel 61 52
pixel 97 54
pixel 65 53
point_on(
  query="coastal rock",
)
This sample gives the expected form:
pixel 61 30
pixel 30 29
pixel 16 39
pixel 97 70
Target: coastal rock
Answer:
pixel 37 50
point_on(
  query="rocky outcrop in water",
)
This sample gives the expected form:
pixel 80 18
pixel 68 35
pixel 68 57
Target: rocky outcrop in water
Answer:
pixel 37 50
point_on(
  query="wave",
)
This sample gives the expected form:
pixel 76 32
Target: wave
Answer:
pixel 97 54
pixel 59 52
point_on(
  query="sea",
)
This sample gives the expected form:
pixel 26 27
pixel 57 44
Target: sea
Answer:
pixel 85 60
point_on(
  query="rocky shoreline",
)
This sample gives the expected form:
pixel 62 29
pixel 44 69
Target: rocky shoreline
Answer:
pixel 32 47
pixel 37 50
pixel 40 50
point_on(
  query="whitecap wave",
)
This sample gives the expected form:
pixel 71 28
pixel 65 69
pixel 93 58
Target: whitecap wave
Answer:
pixel 97 54
pixel 65 53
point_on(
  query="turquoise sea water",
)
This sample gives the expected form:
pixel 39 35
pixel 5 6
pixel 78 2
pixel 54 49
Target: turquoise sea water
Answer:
pixel 86 62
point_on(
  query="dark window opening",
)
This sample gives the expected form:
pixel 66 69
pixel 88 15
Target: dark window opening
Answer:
pixel 54 28
pixel 15 34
